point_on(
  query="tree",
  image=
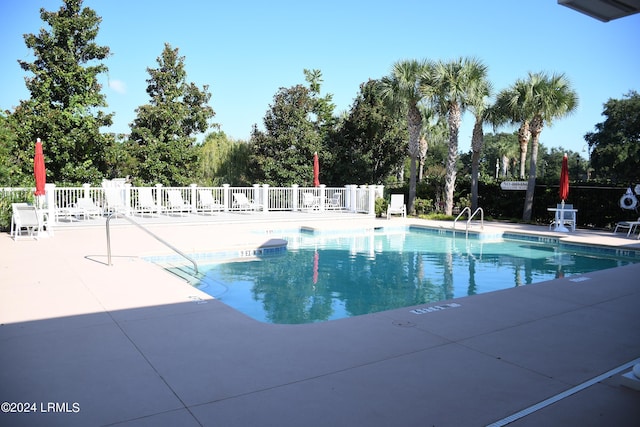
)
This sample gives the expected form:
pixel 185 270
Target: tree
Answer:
pixel 64 108
pixel 368 142
pixel 455 85
pixel 163 133
pixel 296 125
pixel 551 98
pixel 223 161
pixel 478 105
pixel 615 144
pixel 511 106
pixel 403 90
pixel 10 161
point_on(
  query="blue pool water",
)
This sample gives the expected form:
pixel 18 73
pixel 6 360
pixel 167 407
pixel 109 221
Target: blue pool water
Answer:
pixel 330 276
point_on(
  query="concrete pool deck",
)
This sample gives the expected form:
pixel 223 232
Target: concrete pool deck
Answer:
pixel 84 344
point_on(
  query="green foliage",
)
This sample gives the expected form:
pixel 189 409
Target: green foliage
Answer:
pixel 10 172
pixel 223 161
pixel 64 108
pixel 381 207
pixel 423 206
pixel 163 133
pixel 296 126
pixel 616 141
pixel 370 143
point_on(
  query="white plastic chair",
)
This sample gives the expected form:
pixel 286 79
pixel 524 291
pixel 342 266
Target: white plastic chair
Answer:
pixel 25 218
pixel 397 206
pixel 207 203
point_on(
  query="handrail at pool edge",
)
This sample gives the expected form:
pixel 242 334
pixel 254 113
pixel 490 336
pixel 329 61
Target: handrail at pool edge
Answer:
pixel 137 224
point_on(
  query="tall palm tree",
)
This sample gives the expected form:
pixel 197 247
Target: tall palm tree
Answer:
pixel 478 105
pixel 511 106
pixel 433 132
pixel 455 83
pixel 551 98
pixel 403 90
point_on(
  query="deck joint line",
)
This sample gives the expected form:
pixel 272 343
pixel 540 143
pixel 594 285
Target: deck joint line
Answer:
pixel 564 394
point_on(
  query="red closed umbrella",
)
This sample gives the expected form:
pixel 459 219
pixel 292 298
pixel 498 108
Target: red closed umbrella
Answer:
pixel 316 170
pixel 564 179
pixel 39 171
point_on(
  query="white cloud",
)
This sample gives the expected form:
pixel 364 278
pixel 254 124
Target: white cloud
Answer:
pixel 118 86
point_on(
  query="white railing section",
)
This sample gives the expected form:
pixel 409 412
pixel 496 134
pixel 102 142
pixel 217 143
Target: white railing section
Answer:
pixel 122 198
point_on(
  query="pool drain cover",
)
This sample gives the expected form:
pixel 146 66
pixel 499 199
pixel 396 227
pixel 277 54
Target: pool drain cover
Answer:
pixel 403 324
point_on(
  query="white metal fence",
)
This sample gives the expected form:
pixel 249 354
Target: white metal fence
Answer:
pixel 64 203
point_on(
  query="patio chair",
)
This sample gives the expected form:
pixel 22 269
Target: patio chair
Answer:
pixel 334 202
pixel 630 225
pixel 115 200
pixel 310 201
pixel 86 208
pixel 397 206
pixel 176 203
pixel 242 203
pixel 206 202
pixel 146 202
pixel 25 218
pixel 563 217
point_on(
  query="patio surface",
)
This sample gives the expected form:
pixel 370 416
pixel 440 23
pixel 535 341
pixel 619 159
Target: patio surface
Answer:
pixel 85 344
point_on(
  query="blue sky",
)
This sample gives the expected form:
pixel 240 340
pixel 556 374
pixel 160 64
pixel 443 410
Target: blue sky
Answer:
pixel 246 50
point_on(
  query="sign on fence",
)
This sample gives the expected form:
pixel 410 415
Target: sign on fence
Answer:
pixel 513 185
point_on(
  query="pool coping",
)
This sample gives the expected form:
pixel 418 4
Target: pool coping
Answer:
pixel 66 323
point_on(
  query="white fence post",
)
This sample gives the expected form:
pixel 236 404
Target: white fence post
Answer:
pixel 322 195
pixel 194 206
pixel 353 198
pixel 86 187
pixel 265 198
pixel 225 197
pixel 294 197
pixel 50 201
pixel 127 199
pixel 372 200
pixel 256 194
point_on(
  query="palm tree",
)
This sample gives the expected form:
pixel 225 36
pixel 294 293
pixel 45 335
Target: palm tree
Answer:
pixel 511 106
pixel 551 98
pixel 455 84
pixel 403 90
pixel 480 109
pixel 433 132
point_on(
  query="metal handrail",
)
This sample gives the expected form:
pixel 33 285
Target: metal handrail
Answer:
pixel 469 218
pixel 467 208
pixel 137 224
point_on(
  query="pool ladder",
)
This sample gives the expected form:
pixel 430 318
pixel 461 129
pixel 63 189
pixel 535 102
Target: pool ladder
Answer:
pixel 140 226
pixel 470 217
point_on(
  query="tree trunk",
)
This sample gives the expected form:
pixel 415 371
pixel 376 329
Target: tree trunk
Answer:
pixel 477 141
pixel 414 120
pixel 523 138
pixel 536 128
pixel 453 118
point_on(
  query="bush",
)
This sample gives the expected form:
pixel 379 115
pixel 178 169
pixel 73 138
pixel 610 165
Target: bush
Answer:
pixel 381 207
pixel 423 206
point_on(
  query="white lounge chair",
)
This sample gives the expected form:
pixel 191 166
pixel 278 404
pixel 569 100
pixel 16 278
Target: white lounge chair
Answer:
pixel 86 208
pixel 25 218
pixel 310 201
pixel 206 202
pixel 176 203
pixel 242 203
pixel 334 202
pixel 115 200
pixel 146 202
pixel 397 206
pixel 630 225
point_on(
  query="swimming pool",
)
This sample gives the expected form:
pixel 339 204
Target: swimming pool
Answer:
pixel 331 275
